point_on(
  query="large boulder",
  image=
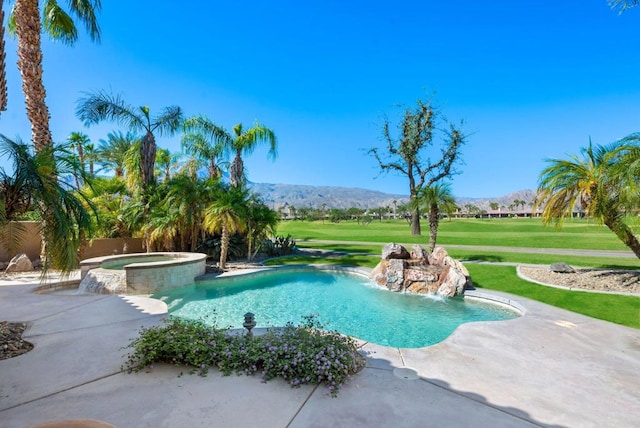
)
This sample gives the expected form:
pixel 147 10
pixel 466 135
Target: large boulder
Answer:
pixel 420 272
pixel 20 263
pixel 561 267
pixel 394 251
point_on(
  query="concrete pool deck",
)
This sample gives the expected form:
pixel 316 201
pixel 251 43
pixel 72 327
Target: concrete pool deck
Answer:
pixel 548 368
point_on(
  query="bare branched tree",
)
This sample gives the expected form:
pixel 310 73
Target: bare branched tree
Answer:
pixel 409 153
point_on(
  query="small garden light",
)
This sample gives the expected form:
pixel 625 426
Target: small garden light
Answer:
pixel 249 322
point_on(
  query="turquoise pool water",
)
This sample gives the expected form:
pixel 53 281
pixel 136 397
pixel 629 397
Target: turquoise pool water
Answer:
pixel 344 302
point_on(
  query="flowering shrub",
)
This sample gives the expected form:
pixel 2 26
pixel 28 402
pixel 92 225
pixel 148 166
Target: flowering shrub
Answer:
pixel 298 354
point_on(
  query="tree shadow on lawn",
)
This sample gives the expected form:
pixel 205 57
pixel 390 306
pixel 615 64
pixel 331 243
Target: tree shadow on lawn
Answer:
pixel 482 258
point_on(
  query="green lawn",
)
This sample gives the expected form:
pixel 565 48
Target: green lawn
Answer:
pixel 577 234
pixel 615 308
pixel 491 256
pixel 521 232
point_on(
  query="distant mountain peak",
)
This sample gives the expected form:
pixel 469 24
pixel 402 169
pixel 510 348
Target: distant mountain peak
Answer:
pixel 303 195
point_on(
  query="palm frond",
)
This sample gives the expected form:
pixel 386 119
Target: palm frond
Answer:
pixel 99 106
pixel 58 24
pixel 168 121
pixel 623 5
pixel 86 11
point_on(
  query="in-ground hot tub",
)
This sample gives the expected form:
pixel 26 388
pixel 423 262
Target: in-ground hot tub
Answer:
pixel 144 273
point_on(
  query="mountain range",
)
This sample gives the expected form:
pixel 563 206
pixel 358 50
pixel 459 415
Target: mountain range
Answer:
pixel 278 195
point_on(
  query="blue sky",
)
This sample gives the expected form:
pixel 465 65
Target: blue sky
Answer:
pixel 531 79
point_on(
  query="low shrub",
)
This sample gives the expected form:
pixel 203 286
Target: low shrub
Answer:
pixel 279 246
pixel 304 354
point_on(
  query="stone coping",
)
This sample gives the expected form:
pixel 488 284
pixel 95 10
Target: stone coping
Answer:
pixel 178 258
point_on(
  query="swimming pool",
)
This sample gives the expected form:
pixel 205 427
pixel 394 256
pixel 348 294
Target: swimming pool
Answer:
pixel 345 302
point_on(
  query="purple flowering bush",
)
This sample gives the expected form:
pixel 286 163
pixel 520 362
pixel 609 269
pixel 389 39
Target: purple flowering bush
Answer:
pixel 304 354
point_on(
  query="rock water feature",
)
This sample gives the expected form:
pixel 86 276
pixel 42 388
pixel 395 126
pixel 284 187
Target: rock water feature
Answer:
pixel 104 281
pixel 420 272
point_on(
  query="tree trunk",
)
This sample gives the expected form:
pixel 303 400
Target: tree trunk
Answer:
pixel 415 217
pixel 224 246
pixel 434 220
pixel 236 171
pixel 147 159
pixel 624 233
pixel 3 65
pixel 28 29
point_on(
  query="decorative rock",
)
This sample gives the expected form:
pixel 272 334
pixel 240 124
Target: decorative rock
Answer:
pixel 20 263
pixel 437 256
pixel 455 283
pixel 422 287
pixel 395 275
pixel 394 251
pixel 419 253
pixel 561 267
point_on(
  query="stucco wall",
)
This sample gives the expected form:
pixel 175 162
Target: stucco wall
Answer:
pixel 30 244
pixel 109 247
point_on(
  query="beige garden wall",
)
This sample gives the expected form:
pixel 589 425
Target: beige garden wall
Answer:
pixel 30 244
pixel 110 246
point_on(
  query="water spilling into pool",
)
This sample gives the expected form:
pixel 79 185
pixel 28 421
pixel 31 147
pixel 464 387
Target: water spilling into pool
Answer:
pixel 344 302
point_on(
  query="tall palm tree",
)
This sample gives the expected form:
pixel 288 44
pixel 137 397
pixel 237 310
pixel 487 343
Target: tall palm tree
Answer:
pixel 206 141
pixel 62 211
pixel 226 215
pixel 3 66
pixel 245 142
pixel 79 140
pixel 438 199
pixel 91 156
pixel 113 152
pixel 592 182
pixel 100 106
pixel 26 23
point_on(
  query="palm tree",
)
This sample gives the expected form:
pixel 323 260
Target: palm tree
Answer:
pixel 100 106
pixel 25 22
pixel 189 198
pixel 226 215
pixel 113 152
pixel 245 142
pixel 64 216
pixel 438 199
pixel 79 140
pixel 261 222
pixel 206 141
pixel 3 66
pixel 591 181
pixel 91 156
pixel 165 163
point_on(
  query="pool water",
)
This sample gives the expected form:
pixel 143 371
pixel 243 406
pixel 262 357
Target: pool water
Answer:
pixel 120 263
pixel 348 303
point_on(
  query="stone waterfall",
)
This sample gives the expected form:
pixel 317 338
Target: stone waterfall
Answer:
pixel 104 281
pixel 420 272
